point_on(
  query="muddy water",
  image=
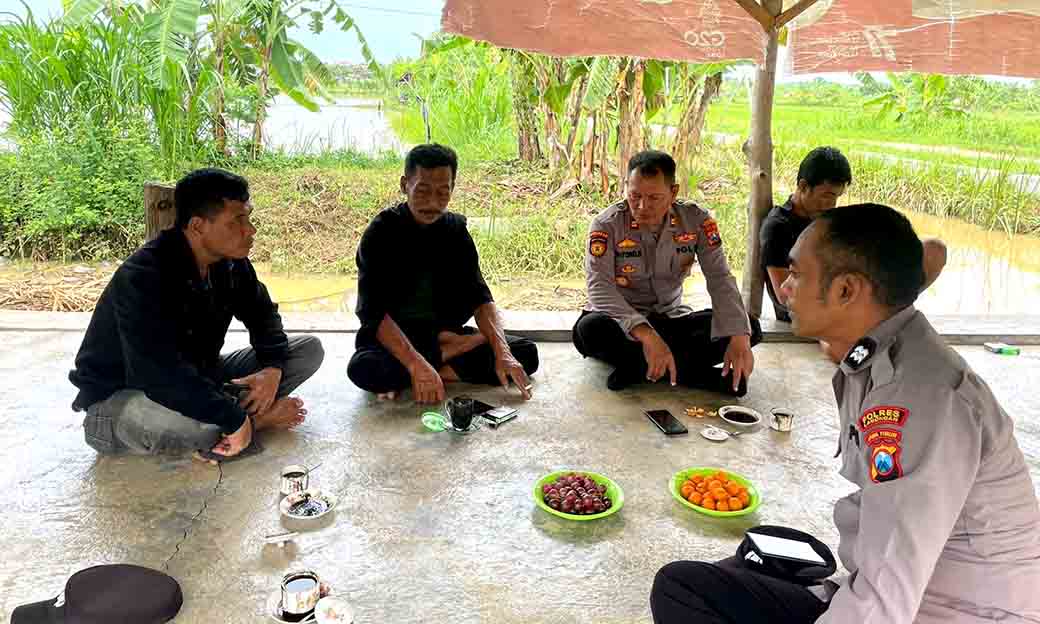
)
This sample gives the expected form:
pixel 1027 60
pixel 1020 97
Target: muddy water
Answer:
pixel 987 273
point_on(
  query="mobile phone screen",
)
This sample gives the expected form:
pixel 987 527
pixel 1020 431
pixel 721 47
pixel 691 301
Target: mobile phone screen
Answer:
pixel 667 423
pixel 786 548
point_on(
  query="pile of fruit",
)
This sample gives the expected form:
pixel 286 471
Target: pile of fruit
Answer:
pixel 576 494
pixel 716 492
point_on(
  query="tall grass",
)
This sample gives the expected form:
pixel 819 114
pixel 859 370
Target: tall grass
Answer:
pixel 98 73
pixel 468 96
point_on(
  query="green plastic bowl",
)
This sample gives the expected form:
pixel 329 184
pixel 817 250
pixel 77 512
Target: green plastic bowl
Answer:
pixel 614 493
pixel 681 476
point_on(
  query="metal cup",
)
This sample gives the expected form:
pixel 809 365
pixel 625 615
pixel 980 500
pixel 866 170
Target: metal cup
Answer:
pixel 781 419
pixel 301 591
pixel 294 479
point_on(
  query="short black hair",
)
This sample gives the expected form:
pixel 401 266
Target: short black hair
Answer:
pixel 431 156
pixel 202 193
pixel 876 242
pixel 825 164
pixel 651 162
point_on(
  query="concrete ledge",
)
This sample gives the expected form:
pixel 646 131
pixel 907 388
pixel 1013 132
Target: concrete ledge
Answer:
pixel 556 326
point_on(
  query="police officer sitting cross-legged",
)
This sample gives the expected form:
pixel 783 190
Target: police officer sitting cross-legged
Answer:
pixel 150 372
pixel 944 526
pixel 639 252
pixel 419 282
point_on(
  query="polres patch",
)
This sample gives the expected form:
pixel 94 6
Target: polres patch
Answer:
pixel 598 241
pixel 883 416
pixel 711 232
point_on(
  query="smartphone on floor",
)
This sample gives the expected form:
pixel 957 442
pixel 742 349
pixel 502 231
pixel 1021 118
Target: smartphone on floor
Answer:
pixel 668 424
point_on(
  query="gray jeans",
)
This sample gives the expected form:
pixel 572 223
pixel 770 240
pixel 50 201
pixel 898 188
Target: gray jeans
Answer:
pixel 128 421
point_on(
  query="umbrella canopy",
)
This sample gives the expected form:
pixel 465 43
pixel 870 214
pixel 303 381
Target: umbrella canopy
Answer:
pixel 939 36
pixel 686 30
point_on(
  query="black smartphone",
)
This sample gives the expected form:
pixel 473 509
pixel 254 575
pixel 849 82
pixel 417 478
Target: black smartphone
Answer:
pixel 667 423
pixel 234 389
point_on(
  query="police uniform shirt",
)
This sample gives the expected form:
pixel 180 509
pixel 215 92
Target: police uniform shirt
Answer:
pixel 631 273
pixel 945 525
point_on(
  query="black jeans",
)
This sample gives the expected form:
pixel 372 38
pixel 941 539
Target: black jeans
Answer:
pixel 599 336
pixel 374 369
pixel 693 592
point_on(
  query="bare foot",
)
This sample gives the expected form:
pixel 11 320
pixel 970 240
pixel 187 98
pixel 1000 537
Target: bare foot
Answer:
pixel 453 345
pixel 386 396
pixel 284 414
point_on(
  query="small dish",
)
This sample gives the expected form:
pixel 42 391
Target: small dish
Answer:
pixel 715 434
pixel 740 416
pixel 332 610
pixel 307 505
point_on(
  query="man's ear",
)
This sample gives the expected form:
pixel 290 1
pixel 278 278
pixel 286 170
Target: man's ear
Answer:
pixel 803 187
pixel 675 192
pixel 853 289
pixel 404 185
pixel 194 226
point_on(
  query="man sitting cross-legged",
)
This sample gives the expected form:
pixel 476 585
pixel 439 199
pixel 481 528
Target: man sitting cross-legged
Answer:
pixel 150 373
pixel 640 252
pixel 419 282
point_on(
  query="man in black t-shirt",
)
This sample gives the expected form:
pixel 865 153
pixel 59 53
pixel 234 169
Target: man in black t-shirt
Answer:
pixel 823 177
pixel 419 282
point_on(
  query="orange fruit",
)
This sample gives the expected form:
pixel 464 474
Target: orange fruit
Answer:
pixel 702 487
pixel 714 484
pixel 697 478
pixel 722 506
pixel 686 490
pixel 732 489
pixel 708 503
pixel 719 494
pixel 735 504
pixel 721 476
pixel 695 498
pixel 744 499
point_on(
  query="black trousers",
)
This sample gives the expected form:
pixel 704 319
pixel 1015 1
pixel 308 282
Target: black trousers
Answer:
pixel 693 592
pixel 598 336
pixel 374 369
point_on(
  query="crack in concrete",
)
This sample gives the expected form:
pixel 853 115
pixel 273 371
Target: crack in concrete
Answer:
pixel 191 523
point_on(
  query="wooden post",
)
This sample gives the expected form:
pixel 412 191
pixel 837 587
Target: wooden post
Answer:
pixel 159 213
pixel 759 150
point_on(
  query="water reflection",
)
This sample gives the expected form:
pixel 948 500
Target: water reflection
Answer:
pixel 349 123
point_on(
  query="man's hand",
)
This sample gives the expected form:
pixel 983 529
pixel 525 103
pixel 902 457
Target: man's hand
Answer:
pixel 659 358
pixel 231 445
pixel 508 368
pixel 263 388
pixel 738 360
pixel 427 385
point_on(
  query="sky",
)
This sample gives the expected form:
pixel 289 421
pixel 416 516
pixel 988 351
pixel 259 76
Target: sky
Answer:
pixel 388 29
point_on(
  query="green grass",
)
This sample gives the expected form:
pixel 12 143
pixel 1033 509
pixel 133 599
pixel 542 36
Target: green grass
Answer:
pixel 1009 134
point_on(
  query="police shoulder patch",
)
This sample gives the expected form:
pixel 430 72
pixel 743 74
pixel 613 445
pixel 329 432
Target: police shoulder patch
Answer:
pixel 883 416
pixel 860 353
pixel 711 232
pixel 598 241
pixel 884 463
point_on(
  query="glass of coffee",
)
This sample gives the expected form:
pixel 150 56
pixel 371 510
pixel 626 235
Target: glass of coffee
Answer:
pixel 301 591
pixel 782 419
pixel 460 410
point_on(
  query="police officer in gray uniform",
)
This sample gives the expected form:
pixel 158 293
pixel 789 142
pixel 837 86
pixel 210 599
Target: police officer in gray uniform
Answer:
pixel 639 252
pixel 944 525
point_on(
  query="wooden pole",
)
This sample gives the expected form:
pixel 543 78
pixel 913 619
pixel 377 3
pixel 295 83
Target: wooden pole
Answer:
pixel 159 213
pixel 759 150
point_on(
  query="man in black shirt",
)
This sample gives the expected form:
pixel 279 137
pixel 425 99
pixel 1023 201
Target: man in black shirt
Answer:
pixel 150 373
pixel 823 177
pixel 419 282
